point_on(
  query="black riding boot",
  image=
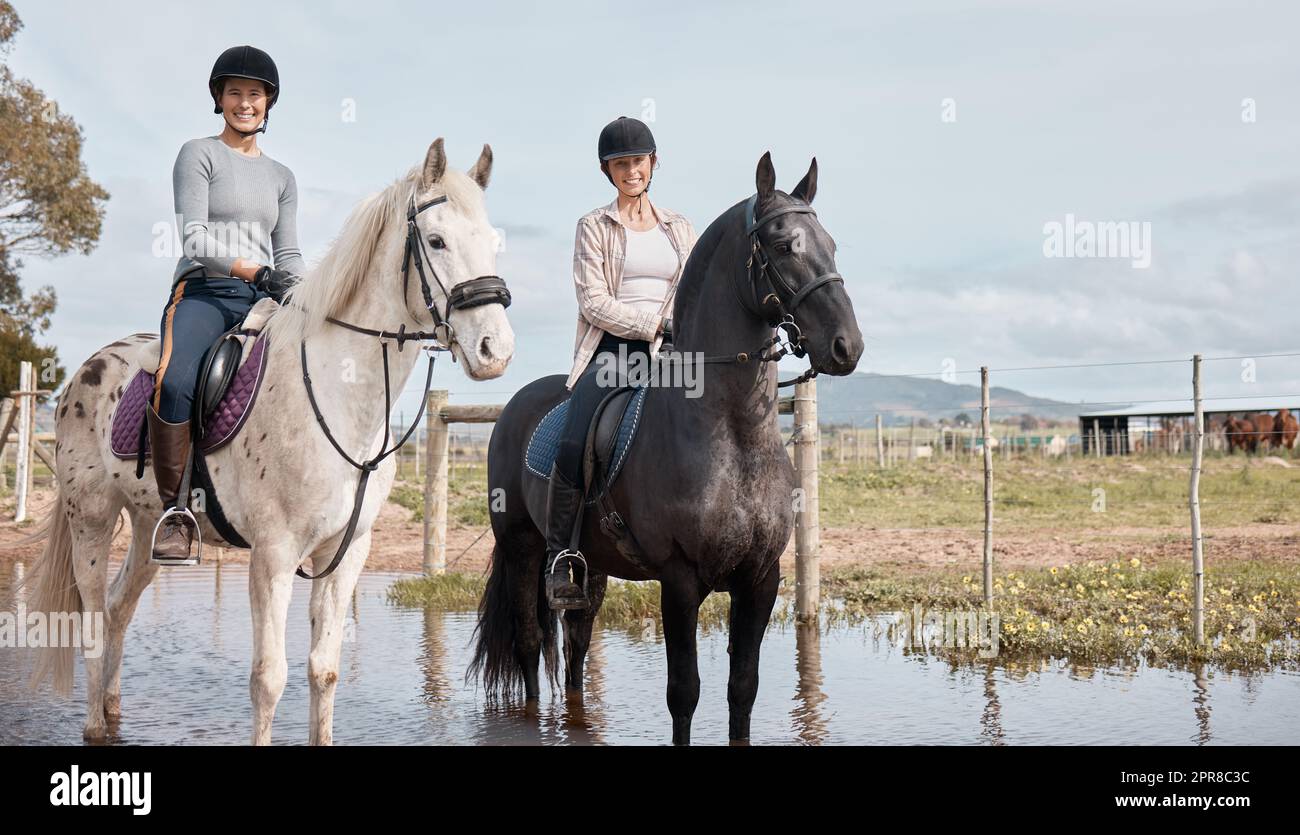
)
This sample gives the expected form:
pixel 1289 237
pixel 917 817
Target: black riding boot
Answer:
pixel 563 503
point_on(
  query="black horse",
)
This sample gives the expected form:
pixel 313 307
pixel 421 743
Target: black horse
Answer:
pixel 707 488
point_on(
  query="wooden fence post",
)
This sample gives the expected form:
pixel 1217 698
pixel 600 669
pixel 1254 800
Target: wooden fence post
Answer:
pixel 418 433
pixel 806 532
pixel 26 420
pixel 880 444
pixel 1194 498
pixel 8 413
pixel 435 487
pixel 988 488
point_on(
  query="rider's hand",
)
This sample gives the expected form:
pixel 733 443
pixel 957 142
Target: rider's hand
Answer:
pixel 244 269
pixel 667 329
pixel 274 283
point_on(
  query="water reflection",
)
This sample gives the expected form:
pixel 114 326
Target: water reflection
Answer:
pixel 991 718
pixel 807 714
pixel 1201 700
pixel 403 682
pixel 433 658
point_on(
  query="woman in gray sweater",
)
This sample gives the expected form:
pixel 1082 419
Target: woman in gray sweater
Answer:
pixel 238 210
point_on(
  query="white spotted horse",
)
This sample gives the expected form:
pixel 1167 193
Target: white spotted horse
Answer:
pixel 301 476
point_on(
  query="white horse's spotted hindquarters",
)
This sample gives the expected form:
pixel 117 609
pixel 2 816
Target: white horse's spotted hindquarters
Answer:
pixel 281 483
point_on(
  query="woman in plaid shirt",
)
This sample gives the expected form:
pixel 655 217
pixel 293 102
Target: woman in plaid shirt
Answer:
pixel 627 260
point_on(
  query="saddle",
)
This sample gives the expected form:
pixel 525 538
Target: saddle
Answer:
pixel 232 373
pixel 609 437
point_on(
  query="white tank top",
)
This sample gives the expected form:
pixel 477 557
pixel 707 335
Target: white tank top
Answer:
pixel 649 265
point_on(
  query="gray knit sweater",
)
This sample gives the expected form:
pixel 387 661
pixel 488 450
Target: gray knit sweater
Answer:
pixel 234 206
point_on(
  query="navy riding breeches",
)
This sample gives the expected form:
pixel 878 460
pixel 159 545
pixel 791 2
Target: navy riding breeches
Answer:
pixel 588 391
pixel 199 311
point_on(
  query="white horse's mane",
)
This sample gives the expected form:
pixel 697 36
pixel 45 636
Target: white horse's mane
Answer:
pixel 332 284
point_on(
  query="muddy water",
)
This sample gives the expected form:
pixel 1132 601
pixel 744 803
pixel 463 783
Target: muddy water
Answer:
pixel 185 680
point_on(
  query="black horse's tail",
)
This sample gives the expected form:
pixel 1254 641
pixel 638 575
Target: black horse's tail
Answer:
pixel 495 659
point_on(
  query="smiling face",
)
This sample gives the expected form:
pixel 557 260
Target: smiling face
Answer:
pixel 631 175
pixel 243 102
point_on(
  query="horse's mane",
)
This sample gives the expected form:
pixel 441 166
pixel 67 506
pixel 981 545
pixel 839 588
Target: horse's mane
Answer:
pixel 697 265
pixel 333 284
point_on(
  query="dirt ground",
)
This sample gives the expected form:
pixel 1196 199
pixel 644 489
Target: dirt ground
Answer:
pixel 397 544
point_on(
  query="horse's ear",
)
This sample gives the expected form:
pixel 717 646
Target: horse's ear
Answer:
pixel 435 163
pixel 482 169
pixel 807 187
pixel 765 178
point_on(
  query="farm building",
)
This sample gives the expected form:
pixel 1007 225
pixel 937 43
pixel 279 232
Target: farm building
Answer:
pixel 1166 425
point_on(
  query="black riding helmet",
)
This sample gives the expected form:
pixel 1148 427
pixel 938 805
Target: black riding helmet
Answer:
pixel 624 137
pixel 245 62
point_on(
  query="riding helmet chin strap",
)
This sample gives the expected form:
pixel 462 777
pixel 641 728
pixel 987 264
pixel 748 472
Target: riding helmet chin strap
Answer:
pixel 266 120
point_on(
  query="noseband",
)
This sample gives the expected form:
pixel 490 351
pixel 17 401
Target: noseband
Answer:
pixel 485 289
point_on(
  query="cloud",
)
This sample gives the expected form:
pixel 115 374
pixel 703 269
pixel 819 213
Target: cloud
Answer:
pixel 1129 115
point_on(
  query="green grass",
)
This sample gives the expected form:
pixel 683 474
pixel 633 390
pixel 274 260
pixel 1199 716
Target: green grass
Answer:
pixel 632 606
pixel 1103 612
pixel 1098 613
pixel 1029 493
pixel 466 496
pixel 1079 494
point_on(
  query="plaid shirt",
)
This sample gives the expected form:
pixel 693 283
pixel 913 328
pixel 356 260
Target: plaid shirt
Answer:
pixel 598 254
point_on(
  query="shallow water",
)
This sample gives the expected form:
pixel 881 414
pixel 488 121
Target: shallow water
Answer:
pixel 185 680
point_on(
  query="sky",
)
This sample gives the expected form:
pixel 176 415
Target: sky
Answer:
pixel 949 136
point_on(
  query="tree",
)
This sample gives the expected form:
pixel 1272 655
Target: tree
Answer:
pixel 48 206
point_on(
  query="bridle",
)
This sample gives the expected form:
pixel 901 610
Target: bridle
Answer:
pixel 778 314
pixel 767 272
pixel 485 289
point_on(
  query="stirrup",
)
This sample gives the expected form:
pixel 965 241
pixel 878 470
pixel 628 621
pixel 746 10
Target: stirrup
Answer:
pixel 563 603
pixel 198 537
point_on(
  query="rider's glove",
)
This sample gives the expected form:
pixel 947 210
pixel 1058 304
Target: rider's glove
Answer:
pixel 274 283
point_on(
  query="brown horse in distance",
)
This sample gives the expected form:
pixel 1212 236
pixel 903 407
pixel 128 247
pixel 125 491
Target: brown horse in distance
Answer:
pixel 1246 432
pixel 1285 428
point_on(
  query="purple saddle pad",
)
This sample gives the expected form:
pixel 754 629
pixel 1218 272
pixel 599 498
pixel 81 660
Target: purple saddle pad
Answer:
pixel 221 427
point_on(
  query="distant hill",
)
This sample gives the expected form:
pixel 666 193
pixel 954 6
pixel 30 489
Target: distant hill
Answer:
pixel 857 398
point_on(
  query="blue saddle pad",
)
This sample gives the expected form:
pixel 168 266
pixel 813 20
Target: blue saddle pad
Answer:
pixel 545 442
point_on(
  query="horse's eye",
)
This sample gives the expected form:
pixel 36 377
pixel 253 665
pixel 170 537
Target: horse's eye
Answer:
pixel 783 248
pixel 437 242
